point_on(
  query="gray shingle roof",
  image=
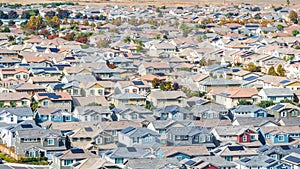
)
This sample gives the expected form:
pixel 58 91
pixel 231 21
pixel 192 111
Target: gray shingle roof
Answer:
pixel 278 92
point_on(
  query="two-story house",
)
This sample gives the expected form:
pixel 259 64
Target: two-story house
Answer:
pixel 52 114
pixel 15 99
pixel 165 98
pixel 247 111
pixel 14 73
pixel 61 100
pixel 154 67
pixel 282 110
pixel 92 113
pixel 15 115
pixel 276 94
pixel 173 112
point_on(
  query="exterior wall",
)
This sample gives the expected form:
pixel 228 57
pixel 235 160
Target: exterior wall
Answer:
pixel 19 103
pixel 64 105
pixel 18 76
pixel 117 102
pixel 275 138
pixel 167 102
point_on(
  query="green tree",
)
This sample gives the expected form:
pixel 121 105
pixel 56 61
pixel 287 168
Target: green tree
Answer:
pixel 288 2
pixel 280 27
pixel 55 22
pixel 94 104
pixel 280 70
pixel 266 103
pixel 244 102
pixel 295 32
pixel 252 67
pixel 168 86
pixel 127 39
pixel 13 103
pixel 155 83
pixel 272 71
pixel 1 104
pixel 34 105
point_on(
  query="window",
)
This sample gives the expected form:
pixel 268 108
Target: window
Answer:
pixel 4 76
pixel 135 140
pixel 280 138
pixel 100 91
pixel 18 76
pixel 25 76
pixel 68 118
pixel 119 160
pixel 208 138
pixel 196 138
pixel 99 140
pixel 31 154
pixel 75 91
pixel 273 98
pixel 244 138
pixel 45 103
pixel 68 162
pixel 202 139
pixel 161 131
pixel 114 132
pixel 283 114
pixel 254 99
pixel 126 90
pixel 1 118
pixel 51 142
pixel 11 119
pixel 107 139
pixel 252 137
pixel 228 158
pixel 96 117
pixel 124 101
pixel 134 116
pixel 92 92
pixel 85 118
pixel 24 103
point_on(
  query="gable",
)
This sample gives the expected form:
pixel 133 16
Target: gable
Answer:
pixel 294 84
pixel 97 86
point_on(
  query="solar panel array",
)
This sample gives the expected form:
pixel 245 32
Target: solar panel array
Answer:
pixel 131 149
pixel 293 159
pixel 26 126
pixel 190 162
pixel 245 160
pixel 127 130
pixel 77 150
pixel 270 161
pixel 277 107
pixel 88 129
pixel 236 148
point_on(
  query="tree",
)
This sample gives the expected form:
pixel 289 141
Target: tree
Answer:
pixel 252 67
pixel 13 103
pixel 280 27
pixel 63 14
pixel 295 32
pixel 111 106
pixel 45 33
pixel 293 16
pixel 202 62
pixel 272 71
pixel 11 23
pixel 127 39
pixel 288 2
pixel 244 102
pixel 3 15
pixel 34 105
pixel 280 70
pixel 266 103
pixel 94 104
pixel 5 29
pixel 1 104
pixel 82 40
pixel 12 15
pixel 155 83
pixel 1 23
pixel 168 86
pixel 65 21
pixel 55 22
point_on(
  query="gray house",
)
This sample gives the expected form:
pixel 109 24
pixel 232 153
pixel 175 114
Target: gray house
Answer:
pixel 177 136
pixel 173 112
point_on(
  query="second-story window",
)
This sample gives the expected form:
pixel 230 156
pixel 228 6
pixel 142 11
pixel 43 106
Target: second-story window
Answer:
pixel 50 142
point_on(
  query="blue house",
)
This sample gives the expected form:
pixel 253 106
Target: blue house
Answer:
pixel 53 115
pixel 279 135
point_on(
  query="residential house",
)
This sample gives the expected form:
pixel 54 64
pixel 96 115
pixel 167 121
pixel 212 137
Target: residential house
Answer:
pixel 243 135
pixel 92 113
pixel 207 162
pixel 28 88
pixel 173 112
pixel 183 152
pixel 154 163
pixel 14 73
pixel 255 122
pixel 276 94
pixel 72 88
pixel 97 88
pixel 90 100
pixel 52 114
pixel 247 111
pixel 60 100
pixel 286 121
pixel 133 112
pixel 15 115
pixel 128 98
pixel 209 111
pixel 66 159
pixel 166 98
pixel 15 99
pixel 138 87
pixel 292 160
pixel 260 161
pixel 230 97
pixel 131 136
pixel 284 110
pixel 178 136
pixel 207 85
pixel 277 152
pixel 153 68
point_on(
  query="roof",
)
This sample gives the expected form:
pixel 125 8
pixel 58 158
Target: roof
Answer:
pixel 83 101
pixel 152 163
pixel 188 150
pixel 129 96
pixel 18 111
pixel 168 94
pixel 130 152
pixel 257 161
pixel 76 153
pixel 239 92
pixel 276 92
pixel 231 130
pixel 158 65
pixel 219 82
pixel 14 96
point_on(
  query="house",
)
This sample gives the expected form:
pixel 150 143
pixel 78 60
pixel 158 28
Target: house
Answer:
pixel 209 111
pixel 65 160
pixel 280 135
pixel 232 151
pixel 286 121
pixel 247 111
pixel 72 88
pixel 276 94
pixel 90 100
pixel 243 135
pixel 138 87
pixel 292 159
pixel 133 136
pixel 277 152
pixel 45 72
pixel 153 68
pixel 15 115
pixel 52 114
pixel 60 100
pixel 28 88
pixel 183 152
pixel 97 88
pixel 260 161
pixel 282 110
pixel 173 112
pixel 166 98
pixel 121 155
pixel 155 163
pixel 230 97
pixel 133 112
pixel 92 113
pixel 128 98
pixel 205 162
pixel 179 136
pixel 255 122
pixel 14 73
pixel 161 49
pixel 205 86
pixel 15 99
pixel 38 142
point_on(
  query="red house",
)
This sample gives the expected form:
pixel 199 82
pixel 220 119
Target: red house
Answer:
pixel 247 136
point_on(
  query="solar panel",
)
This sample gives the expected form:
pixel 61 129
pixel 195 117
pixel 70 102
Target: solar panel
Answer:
pixel 270 161
pixel 245 160
pixel 293 159
pixel 76 164
pixel 236 148
pixel 284 81
pixel 217 151
pixel 263 149
pixel 26 126
pixel 88 129
pixel 250 78
pixel 50 95
pixel 138 83
pixel 225 94
pixel 131 149
pixel 190 162
pixel 200 101
pixel 76 150
pixel 58 154
pixel 126 130
pixel 277 107
pixel 285 147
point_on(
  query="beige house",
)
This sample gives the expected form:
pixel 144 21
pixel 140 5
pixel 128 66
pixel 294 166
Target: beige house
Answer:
pixel 14 73
pixel 15 99
pixel 165 98
pixel 61 100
